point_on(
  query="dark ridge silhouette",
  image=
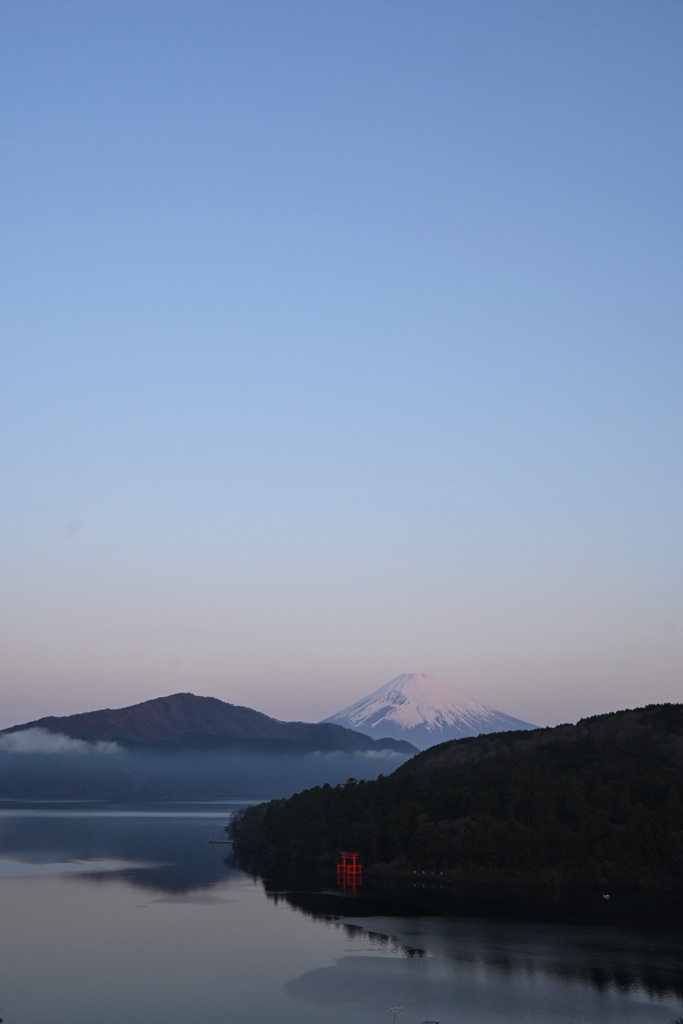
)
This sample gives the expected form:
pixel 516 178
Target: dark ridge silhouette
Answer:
pixel 600 802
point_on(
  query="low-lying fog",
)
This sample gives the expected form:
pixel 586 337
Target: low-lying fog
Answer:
pixel 36 764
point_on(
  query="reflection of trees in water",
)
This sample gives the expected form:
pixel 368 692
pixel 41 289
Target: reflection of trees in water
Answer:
pixel 489 928
pixel 602 957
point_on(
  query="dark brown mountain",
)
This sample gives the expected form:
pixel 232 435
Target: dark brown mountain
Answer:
pixel 185 718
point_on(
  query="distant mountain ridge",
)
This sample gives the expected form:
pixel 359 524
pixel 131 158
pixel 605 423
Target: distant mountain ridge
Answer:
pixel 182 747
pixel 423 710
pixel 186 717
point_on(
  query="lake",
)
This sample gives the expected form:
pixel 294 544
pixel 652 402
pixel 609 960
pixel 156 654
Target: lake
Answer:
pixel 128 914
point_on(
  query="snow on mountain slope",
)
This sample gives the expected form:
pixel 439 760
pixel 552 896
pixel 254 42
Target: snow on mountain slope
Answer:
pixel 423 710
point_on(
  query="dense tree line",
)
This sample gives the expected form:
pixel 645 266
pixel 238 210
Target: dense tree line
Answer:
pixel 604 810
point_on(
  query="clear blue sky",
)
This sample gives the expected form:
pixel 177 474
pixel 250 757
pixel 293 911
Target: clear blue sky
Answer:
pixel 341 339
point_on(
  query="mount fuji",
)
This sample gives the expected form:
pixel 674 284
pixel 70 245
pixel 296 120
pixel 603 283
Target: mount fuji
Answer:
pixel 423 710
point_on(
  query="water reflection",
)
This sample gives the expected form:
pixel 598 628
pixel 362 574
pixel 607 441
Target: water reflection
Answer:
pixel 468 956
pixel 163 848
pixel 624 958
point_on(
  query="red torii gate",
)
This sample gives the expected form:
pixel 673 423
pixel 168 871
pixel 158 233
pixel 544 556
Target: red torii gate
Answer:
pixel 349 870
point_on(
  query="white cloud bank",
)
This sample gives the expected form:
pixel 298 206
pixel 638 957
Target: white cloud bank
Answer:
pixel 41 741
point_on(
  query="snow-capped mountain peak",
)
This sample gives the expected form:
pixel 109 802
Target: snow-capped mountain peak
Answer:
pixel 424 710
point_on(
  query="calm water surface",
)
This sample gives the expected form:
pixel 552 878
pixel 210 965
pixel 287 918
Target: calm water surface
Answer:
pixel 111 915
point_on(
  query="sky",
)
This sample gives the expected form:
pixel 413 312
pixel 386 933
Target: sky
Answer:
pixel 341 340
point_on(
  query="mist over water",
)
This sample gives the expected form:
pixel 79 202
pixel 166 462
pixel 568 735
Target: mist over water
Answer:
pixel 117 913
pixel 36 764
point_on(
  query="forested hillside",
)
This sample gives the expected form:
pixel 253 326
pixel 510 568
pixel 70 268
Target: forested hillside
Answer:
pixel 600 802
